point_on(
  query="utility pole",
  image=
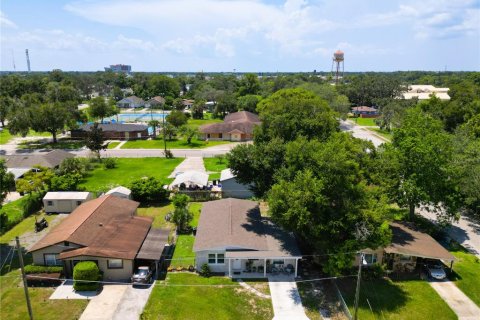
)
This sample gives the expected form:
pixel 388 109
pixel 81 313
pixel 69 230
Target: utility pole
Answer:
pixel 25 287
pixel 163 128
pixel 357 292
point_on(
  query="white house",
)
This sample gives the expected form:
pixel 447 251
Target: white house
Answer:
pixel 131 102
pixel 64 201
pixel 120 192
pixel 231 188
pixel 424 92
pixel 234 239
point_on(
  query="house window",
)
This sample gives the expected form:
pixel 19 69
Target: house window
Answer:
pixel 220 135
pixel 51 259
pixel 49 203
pixel 115 264
pixel 216 258
pixel 139 134
pixel 211 258
pixel 370 258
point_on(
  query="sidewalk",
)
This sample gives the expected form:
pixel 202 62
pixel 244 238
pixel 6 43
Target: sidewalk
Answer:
pixel 286 300
pixel 456 299
pixel 190 163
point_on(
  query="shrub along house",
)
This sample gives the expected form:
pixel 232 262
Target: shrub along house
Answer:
pixel 234 239
pixel 237 126
pixel 114 131
pixel 106 231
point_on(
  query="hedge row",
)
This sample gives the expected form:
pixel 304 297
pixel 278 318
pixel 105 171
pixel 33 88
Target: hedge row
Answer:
pixel 31 268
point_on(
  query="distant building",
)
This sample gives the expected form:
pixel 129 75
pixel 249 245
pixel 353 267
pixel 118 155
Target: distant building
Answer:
pixel 131 102
pixel 123 68
pixel 365 112
pixel 424 92
pixel 237 126
pixel 50 159
pixel 114 131
pixel 155 102
pixel 188 103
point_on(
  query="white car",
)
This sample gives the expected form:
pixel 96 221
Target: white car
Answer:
pixel 435 271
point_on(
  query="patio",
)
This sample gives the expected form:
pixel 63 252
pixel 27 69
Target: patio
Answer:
pixel 256 267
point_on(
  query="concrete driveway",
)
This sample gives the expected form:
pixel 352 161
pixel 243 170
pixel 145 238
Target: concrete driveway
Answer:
pixel 104 306
pixel 457 300
pixel 286 300
pixel 362 132
pixel 190 163
pixel 133 302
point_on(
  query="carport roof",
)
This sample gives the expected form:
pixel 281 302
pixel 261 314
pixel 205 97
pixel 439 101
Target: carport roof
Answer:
pixel 153 245
pixel 407 241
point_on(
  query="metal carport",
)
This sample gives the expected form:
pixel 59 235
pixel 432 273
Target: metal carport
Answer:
pixel 153 246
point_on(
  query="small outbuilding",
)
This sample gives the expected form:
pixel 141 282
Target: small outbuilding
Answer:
pixel 231 188
pixel 190 179
pixel 64 201
pixel 120 192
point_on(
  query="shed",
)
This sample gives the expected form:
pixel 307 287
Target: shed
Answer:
pixel 64 201
pixel 120 192
pixel 191 178
pixel 231 188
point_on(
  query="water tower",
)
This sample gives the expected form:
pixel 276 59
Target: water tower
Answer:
pixel 338 57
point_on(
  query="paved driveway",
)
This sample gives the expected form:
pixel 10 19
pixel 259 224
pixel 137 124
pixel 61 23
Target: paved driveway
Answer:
pixel 286 300
pixel 132 303
pixel 190 163
pixel 362 132
pixel 104 306
pixel 457 300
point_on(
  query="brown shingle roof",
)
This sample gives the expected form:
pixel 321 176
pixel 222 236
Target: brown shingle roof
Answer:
pixel 243 121
pixel 50 159
pixel 407 241
pixel 364 108
pixel 105 227
pixel 115 127
pixel 235 223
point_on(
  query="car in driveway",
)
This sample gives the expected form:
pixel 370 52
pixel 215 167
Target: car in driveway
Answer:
pixel 142 275
pixel 435 270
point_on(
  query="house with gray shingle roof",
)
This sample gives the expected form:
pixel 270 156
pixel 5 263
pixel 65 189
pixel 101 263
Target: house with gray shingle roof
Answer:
pixel 237 126
pixel 234 239
pixel 131 102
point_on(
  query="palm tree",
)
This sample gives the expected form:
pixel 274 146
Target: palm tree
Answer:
pixel 154 124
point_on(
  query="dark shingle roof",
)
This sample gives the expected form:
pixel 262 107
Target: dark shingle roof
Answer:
pixel 133 99
pixel 238 223
pixel 117 127
pixel 50 159
pixel 242 121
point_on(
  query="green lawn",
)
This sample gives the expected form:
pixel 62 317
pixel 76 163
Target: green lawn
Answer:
pixel 171 144
pixel 467 273
pixel 159 211
pixel 14 209
pixel 171 299
pixel 5 135
pixel 112 145
pixel 414 299
pixel 183 256
pixel 215 165
pixel 195 123
pixel 370 122
pixel 127 170
pixel 61 144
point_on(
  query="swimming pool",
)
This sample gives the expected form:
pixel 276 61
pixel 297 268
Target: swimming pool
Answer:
pixel 137 117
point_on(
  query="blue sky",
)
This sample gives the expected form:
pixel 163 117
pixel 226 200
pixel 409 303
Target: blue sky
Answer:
pixel 246 35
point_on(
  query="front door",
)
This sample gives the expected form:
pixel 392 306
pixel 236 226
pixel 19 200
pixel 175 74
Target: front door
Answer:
pixel 237 264
pixel 127 135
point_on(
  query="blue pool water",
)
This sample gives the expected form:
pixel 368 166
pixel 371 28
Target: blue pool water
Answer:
pixel 140 117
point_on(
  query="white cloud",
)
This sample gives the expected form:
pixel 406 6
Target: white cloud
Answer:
pixel 5 22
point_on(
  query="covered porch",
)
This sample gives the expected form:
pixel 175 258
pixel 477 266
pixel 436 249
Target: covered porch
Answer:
pixel 254 264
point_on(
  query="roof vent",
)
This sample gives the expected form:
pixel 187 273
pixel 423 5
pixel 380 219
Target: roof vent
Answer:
pixel 100 224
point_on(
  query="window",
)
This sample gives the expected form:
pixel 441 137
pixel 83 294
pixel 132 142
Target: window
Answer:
pixel 370 258
pixel 79 203
pixel 139 134
pixel 115 264
pixel 218 258
pixel 49 203
pixel 220 135
pixel 51 259
pixel 208 135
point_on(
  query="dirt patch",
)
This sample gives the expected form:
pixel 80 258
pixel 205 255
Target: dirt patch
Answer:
pixel 32 237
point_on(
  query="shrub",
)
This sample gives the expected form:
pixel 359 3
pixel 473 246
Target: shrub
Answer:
pixel 66 182
pixel 86 271
pixel 31 268
pixel 33 203
pixel 148 190
pixel 110 163
pixel 74 166
pixel 168 154
pixel 205 270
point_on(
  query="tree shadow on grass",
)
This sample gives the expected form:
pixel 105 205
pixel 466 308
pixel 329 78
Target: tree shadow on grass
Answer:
pixel 383 295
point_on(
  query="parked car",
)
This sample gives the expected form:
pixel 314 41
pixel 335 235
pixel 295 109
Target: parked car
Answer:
pixel 435 270
pixel 142 275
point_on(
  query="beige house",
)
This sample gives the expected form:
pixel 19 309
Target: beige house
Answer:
pixel 425 92
pixel 234 239
pixel 64 201
pixel 237 126
pixel 408 249
pixel 107 231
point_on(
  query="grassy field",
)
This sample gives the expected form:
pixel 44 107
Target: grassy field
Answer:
pixel 112 145
pixel 226 300
pixel 14 209
pixel 61 144
pixel 183 256
pixel 215 165
pixel 467 273
pixel 5 135
pixel 159 211
pixel 195 123
pixel 24 226
pixel 171 144
pixel 383 133
pixel 404 300
pixel 370 122
pixel 127 170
